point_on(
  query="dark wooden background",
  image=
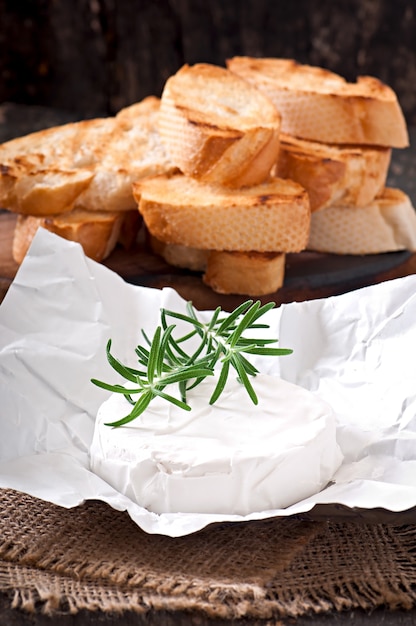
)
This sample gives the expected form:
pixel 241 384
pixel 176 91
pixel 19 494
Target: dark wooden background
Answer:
pixel 95 56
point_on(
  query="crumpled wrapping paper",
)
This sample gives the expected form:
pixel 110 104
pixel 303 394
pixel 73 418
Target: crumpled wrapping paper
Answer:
pixel 357 351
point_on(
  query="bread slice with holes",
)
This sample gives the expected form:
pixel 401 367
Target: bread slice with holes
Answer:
pixel 228 272
pixel 334 174
pixel 245 273
pixel 387 224
pixel 271 217
pixel 193 259
pixel 133 151
pixel 218 128
pixel 89 164
pixel 43 191
pixel 98 232
pixel 320 105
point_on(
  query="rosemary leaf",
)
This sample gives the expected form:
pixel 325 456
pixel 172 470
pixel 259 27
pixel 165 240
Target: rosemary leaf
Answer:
pixel 242 374
pixel 124 371
pixel 153 355
pixel 222 379
pixel 115 388
pixel 173 400
pixel 186 374
pixel 139 408
pixel 162 350
pixel 228 321
pixel 268 351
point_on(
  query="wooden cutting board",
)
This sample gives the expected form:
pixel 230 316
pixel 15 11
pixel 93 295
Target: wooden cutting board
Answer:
pixel 308 275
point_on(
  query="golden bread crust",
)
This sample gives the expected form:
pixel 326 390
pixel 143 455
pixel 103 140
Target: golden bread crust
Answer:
pixel 98 233
pixel 89 164
pixel 331 174
pixel 228 272
pixel 271 217
pixel 247 273
pixel 387 224
pixel 319 105
pixel 189 258
pixel 41 192
pixel 216 127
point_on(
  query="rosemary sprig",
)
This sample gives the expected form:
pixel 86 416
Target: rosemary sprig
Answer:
pixel 165 360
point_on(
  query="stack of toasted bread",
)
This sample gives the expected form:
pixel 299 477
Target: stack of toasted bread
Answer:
pixel 76 180
pixel 336 141
pixel 224 208
pixel 230 170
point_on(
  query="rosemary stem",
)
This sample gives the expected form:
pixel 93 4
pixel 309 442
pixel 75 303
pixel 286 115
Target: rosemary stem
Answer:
pixel 165 361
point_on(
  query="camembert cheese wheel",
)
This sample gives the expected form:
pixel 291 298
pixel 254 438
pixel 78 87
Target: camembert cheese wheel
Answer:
pixel 232 457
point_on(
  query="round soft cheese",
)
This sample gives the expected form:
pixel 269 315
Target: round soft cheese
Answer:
pixel 230 458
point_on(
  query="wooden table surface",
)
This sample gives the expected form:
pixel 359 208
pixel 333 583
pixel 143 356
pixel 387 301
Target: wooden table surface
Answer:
pixel 308 276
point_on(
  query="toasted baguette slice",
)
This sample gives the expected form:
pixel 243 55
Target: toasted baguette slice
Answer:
pixel 245 273
pixel 89 164
pixel 228 272
pixel 216 127
pixel 98 232
pixel 42 191
pixel 385 225
pixel 180 256
pixel 133 151
pixel 271 217
pixel 334 175
pixel 320 105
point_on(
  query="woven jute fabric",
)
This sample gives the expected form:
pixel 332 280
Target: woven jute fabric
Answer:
pixel 93 557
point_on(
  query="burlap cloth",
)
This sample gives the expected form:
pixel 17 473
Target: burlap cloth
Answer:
pixel 93 557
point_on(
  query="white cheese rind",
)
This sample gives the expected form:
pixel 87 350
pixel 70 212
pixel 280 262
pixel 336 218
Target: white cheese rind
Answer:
pixel 232 458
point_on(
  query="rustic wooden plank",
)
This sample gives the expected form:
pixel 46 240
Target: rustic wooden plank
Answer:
pixel 147 49
pixel 308 275
pixel 99 55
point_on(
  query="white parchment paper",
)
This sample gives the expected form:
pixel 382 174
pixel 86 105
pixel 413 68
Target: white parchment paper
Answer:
pixel 357 351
